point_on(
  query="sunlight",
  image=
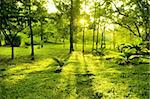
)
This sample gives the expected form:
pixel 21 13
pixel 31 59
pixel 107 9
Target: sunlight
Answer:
pixel 82 21
pixel 110 27
pixel 91 19
pixel 74 49
pixel 85 8
pixel 51 6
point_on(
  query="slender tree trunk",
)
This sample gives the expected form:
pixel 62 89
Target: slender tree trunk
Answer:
pixel 0 43
pixel 97 39
pixel 147 39
pixel 93 38
pixel 97 36
pixel 102 39
pixel 94 30
pixel 41 34
pixel 83 41
pixel 32 43
pixel 64 42
pixel 114 40
pixel 71 28
pixel 30 25
pixel 56 40
pixel 12 51
pixel 0 38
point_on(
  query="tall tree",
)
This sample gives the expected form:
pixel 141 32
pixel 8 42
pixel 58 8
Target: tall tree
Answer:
pixel 1 37
pixel 67 7
pixel 31 32
pixel 132 15
pixel 12 21
pixel 71 27
pixel 94 26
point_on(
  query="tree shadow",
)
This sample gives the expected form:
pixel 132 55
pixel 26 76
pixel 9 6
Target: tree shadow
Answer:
pixel 84 81
pixel 126 81
pixel 77 80
pixel 43 84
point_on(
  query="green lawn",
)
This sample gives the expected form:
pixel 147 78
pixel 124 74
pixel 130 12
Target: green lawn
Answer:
pixel 84 77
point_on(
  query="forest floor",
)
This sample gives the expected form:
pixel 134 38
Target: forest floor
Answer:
pixel 83 77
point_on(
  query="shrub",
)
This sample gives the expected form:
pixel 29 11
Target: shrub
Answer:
pixel 131 54
pixel 99 52
pixel 35 41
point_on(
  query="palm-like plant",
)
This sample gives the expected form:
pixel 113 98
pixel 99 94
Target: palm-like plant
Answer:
pixel 60 62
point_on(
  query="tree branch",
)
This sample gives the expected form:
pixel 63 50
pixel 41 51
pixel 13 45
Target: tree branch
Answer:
pixel 137 28
pixel 119 10
pixel 127 27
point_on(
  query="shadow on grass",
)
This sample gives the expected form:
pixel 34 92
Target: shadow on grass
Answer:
pixel 124 81
pixel 41 85
pixel 79 80
pixel 84 81
pixel 6 61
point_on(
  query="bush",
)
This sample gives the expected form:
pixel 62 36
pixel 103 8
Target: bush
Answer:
pixel 99 52
pixel 131 54
pixel 36 41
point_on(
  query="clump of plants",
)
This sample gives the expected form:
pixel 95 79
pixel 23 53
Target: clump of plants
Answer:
pixel 59 62
pixel 131 54
pixel 99 52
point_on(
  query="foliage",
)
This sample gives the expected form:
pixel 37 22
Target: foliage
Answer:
pixel 99 52
pixel 131 54
pixel 132 15
pixel 60 62
pixel 16 42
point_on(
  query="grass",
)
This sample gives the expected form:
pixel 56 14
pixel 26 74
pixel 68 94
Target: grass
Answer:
pixel 85 77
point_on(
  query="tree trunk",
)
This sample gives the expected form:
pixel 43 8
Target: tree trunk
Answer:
pixel 147 39
pixel 114 41
pixel 0 43
pixel 94 29
pixel 32 44
pixel 56 40
pixel 41 35
pixel 97 35
pixel 93 38
pixel 102 39
pixel 64 42
pixel 71 28
pixel 30 25
pixel 83 41
pixel 12 51
pixel 97 39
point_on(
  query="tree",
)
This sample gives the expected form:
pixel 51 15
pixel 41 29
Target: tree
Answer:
pixel 30 26
pixel 94 26
pixel 71 27
pixel 132 15
pixel 67 7
pixel 1 38
pixel 11 21
pixel 41 15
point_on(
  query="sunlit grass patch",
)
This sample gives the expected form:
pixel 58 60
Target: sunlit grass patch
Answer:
pixel 83 77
